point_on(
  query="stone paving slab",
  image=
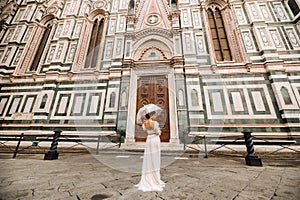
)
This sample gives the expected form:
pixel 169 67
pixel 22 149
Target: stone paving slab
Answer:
pixel 85 176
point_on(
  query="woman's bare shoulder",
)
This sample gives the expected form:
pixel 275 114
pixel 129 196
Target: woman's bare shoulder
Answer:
pixel 150 125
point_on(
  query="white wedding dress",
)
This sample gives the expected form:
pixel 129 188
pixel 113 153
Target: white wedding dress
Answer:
pixel 150 180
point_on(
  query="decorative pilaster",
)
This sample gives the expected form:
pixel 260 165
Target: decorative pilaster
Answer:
pixel 284 91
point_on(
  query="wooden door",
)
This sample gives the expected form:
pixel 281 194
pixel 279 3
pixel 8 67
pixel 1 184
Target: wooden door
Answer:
pixel 154 89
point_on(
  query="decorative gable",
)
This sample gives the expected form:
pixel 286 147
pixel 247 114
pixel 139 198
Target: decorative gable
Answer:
pixel 152 13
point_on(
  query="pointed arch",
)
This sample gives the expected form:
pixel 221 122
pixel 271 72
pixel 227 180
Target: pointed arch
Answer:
pixel 94 44
pixel 41 48
pixel 153 53
pixel 286 96
pixel 180 98
pixel 36 46
pixel 145 42
pixel 124 99
pixel 144 7
pixel 44 101
pixel 90 46
pixel 46 20
pixel 131 7
pixel 96 13
pixel 112 100
pixel 175 2
pixel 218 34
pixel 222 32
pixel 213 3
pixel 194 97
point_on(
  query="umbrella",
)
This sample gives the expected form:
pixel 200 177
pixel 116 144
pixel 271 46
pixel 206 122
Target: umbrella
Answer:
pixel 146 109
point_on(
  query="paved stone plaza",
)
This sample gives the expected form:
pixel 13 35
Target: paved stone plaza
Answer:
pixel 84 176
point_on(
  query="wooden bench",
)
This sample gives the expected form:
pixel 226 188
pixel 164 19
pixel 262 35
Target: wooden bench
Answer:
pixel 224 141
pixel 73 140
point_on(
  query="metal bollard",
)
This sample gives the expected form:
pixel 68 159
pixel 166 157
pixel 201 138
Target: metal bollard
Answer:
pixel 53 154
pixel 251 158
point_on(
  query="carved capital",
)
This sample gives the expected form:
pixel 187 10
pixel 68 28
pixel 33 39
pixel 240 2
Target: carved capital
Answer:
pixel 131 19
pixel 174 15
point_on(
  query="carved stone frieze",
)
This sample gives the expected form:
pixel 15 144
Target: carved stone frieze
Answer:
pixel 153 30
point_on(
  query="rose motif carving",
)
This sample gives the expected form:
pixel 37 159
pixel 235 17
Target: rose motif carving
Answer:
pixel 99 4
pixel 52 10
pixel 152 19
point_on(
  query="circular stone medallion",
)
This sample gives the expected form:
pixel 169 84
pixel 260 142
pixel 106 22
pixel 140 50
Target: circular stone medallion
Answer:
pixel 152 19
pixel 99 4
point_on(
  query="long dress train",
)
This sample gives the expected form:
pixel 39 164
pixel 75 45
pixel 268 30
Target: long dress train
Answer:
pixel 150 180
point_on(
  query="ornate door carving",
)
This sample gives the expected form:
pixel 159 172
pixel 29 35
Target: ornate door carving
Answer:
pixel 154 89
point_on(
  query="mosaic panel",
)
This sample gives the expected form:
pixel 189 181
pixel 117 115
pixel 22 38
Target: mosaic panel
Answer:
pixel 238 102
pixel 78 104
pixel 3 104
pixel 29 103
pixel 14 106
pixel 62 105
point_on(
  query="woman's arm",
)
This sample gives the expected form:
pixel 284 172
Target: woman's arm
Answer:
pixel 157 129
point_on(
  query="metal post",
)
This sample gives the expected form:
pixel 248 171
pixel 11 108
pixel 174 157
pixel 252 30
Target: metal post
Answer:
pixel 122 135
pixel 53 154
pixel 184 141
pixel 18 145
pixel 119 138
pixel 249 143
pixel 97 150
pixel 205 147
pixel 251 158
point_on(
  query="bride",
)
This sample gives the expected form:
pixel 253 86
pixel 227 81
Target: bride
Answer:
pixel 150 180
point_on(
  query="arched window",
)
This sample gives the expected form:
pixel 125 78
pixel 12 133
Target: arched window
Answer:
pixel 131 6
pixel 286 96
pixel 180 97
pixel 43 102
pixel 195 100
pixel 112 100
pixel 218 34
pixel 174 3
pixel 94 44
pixel 124 99
pixel 40 49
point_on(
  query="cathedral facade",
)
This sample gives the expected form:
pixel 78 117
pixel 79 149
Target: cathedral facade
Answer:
pixel 87 66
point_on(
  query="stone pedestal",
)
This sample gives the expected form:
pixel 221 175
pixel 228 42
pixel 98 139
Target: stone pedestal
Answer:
pixel 51 155
pixel 253 160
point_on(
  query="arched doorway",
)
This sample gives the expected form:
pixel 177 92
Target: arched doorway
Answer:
pixel 152 64
pixel 154 89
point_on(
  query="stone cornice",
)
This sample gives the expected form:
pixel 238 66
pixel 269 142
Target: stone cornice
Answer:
pixel 153 30
pixel 56 76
